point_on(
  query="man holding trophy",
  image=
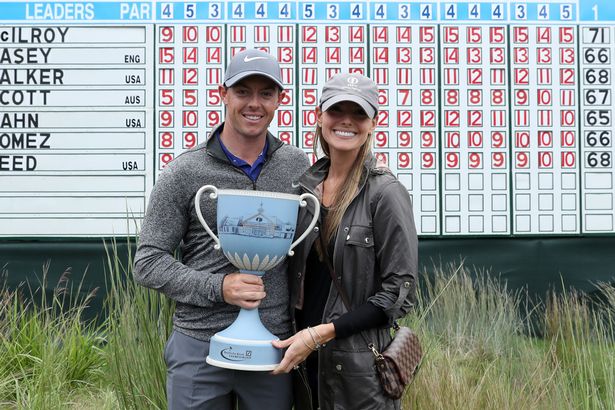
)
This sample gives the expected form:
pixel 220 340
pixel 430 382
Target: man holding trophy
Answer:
pixel 240 154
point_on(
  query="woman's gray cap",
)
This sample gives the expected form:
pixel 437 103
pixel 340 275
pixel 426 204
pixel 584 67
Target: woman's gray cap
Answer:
pixel 351 87
pixel 252 62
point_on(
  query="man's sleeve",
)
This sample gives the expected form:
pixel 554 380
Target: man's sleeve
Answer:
pixel 165 223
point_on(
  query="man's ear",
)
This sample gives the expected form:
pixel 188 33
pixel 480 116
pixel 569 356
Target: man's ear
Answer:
pixel 223 91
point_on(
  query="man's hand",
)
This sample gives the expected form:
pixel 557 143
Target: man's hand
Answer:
pixel 243 289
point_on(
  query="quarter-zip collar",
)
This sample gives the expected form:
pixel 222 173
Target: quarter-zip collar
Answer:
pixel 215 150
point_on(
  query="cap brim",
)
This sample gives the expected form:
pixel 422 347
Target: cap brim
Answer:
pixel 367 107
pixel 238 77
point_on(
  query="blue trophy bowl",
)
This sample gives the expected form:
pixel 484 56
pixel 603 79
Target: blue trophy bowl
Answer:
pixel 256 231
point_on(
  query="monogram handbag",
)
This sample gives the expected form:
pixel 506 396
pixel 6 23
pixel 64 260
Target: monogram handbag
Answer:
pixel 399 362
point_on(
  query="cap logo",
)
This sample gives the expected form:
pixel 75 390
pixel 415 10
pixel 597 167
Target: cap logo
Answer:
pixel 247 59
pixel 353 80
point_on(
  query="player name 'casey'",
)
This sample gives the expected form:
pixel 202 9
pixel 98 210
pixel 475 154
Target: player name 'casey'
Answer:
pixel 30 55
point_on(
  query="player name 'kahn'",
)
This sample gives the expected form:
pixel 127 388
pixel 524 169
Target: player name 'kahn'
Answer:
pixel 32 76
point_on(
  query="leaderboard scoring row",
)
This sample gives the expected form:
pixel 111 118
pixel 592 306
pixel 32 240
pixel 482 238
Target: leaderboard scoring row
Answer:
pixel 358 11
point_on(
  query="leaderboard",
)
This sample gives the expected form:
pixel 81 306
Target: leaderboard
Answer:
pixel 497 116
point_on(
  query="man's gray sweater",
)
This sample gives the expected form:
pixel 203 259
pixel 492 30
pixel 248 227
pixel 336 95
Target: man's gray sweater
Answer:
pixel 195 282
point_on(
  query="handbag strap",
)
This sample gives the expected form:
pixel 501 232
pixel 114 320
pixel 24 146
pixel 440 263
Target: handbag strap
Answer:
pixel 344 297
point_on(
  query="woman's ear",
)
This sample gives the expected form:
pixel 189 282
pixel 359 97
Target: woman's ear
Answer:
pixel 374 123
pixel 318 116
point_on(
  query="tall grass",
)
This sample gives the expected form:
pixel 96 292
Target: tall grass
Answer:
pixel 480 352
pixel 47 352
pixel 140 321
pixel 479 355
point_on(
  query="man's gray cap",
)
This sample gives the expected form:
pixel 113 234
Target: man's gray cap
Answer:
pixel 252 62
pixel 353 87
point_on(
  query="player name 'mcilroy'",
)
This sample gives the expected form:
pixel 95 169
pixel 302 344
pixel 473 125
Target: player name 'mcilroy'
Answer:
pixel 33 35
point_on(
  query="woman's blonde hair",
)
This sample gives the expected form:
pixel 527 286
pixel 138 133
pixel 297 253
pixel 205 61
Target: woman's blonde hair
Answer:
pixel 349 188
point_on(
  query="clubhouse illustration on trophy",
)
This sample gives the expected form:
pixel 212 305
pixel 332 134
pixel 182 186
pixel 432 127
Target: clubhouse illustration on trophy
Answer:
pixel 255 231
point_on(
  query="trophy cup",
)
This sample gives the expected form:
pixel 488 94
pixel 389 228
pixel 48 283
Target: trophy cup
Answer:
pixel 255 231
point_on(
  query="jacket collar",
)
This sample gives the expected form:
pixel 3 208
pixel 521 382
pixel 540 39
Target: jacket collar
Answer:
pixel 215 149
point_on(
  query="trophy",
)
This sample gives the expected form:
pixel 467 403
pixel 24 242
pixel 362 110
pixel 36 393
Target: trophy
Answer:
pixel 255 231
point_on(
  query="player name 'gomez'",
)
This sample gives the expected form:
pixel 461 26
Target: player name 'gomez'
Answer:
pixel 25 140
pixel 32 76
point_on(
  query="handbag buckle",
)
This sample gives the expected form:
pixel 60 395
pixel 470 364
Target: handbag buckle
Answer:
pixel 375 352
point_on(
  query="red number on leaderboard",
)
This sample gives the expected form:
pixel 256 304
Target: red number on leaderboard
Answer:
pixel 382 157
pixel 427 97
pixel 498 160
pixel 308 139
pixel 166 97
pixel 475 160
pixel 404 118
pixel 404 139
pixel 428 160
pixel 190 119
pixel 189 140
pixel 522 160
pixel 452 160
pixel 545 159
pixel 404 160
pixel 166 118
pixel 383 118
pixel 166 55
pixel 190 98
pixel 190 34
pixel 497 139
pixel 428 139
pixel 285 137
pixel 166 34
pixel 213 97
pixel 191 76
pixel 381 139
pixel 165 159
pixel 213 118
pixel 166 140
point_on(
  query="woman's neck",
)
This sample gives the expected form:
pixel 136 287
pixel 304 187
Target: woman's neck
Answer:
pixel 340 167
pixel 341 164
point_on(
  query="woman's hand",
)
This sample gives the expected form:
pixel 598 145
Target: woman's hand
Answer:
pixel 301 344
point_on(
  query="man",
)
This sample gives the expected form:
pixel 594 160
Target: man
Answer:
pixel 239 154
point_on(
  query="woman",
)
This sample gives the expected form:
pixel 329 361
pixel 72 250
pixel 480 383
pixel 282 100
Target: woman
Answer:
pixel 367 239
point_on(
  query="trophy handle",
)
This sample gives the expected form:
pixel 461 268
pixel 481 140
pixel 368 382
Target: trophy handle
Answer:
pixel 197 207
pixel 302 204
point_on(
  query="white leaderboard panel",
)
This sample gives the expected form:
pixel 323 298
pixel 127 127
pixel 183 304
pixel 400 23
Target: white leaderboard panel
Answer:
pixel 496 115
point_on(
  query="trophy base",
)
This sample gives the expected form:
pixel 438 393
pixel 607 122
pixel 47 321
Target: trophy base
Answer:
pixel 231 349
